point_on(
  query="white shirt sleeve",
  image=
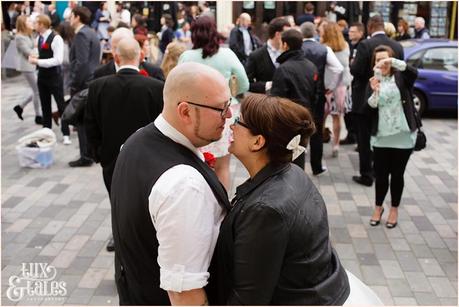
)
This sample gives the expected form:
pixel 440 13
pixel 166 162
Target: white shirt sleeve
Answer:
pixel 333 68
pixel 187 218
pixel 58 54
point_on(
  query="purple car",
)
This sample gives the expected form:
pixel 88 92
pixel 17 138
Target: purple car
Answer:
pixel 436 60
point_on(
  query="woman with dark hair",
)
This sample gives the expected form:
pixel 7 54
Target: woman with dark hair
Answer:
pixel 138 25
pixel 25 47
pixel 394 126
pixel 102 21
pixel 402 27
pixel 167 33
pixel 206 50
pixel 67 33
pixel 274 246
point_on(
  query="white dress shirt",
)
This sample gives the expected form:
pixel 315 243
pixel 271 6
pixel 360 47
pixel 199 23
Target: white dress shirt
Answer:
pixel 58 51
pixel 187 218
pixel 273 53
pixel 247 41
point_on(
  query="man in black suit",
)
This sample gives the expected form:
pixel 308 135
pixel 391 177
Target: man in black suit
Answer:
pixel 111 67
pixel 118 105
pixel 362 70
pixel 55 19
pixel 261 63
pixel 241 40
pixel 84 57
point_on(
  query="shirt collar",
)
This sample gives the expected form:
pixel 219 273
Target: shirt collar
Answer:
pixel 46 34
pixel 309 39
pixel 118 68
pixel 172 133
pixel 79 28
pixel 377 33
pixel 270 46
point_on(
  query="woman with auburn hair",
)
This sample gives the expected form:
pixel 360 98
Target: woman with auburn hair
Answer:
pixel 173 51
pixel 206 50
pixel 25 47
pixel 274 246
pixel 332 36
pixel 402 27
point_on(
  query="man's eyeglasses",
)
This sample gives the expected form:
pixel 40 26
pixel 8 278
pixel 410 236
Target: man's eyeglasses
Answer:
pixel 223 111
pixel 237 121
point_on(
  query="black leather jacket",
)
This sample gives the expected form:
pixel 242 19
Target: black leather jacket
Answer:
pixel 274 247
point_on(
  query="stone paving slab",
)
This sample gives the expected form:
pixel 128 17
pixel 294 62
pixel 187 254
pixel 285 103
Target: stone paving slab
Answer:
pixel 61 216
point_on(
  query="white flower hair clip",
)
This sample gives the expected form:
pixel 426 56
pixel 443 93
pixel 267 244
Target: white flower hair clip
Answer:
pixel 294 145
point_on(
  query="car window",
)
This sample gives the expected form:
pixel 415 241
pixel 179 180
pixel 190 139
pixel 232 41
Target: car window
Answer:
pixel 415 59
pixel 440 59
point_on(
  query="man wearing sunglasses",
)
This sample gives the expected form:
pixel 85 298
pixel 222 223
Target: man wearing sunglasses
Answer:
pixel 167 204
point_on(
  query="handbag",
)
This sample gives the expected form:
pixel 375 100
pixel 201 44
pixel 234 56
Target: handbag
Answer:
pixel 421 141
pixel 73 112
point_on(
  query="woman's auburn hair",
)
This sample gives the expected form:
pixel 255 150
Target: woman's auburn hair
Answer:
pixel 278 120
pixel 333 37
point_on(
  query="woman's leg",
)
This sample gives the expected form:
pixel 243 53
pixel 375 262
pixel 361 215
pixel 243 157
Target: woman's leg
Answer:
pixel 222 170
pixel 399 159
pixel 31 79
pixel 381 167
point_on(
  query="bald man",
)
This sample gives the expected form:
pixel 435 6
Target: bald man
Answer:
pixel 241 40
pixel 111 67
pixel 117 106
pixel 167 204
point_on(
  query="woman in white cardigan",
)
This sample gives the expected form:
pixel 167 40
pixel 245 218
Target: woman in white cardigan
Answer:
pixel 25 46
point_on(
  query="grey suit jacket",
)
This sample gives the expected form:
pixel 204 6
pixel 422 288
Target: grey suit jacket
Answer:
pixel 84 58
pixel 24 46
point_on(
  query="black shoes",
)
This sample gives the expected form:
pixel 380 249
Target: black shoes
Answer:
pixel 321 172
pixel 376 222
pixel 363 180
pixel 111 245
pixel 38 120
pixel 82 162
pixel 18 111
pixel 391 225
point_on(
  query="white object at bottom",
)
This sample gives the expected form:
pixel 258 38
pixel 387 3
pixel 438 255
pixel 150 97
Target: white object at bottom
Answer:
pixel 360 293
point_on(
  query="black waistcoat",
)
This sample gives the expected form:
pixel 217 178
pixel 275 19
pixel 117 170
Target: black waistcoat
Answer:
pixel 47 53
pixel 146 155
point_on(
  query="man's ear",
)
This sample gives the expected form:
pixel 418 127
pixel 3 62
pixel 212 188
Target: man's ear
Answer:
pixel 117 59
pixel 184 112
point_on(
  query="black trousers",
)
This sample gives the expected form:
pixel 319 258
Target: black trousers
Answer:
pixel 47 86
pixel 363 124
pixel 316 142
pixel 350 126
pixel 82 138
pixel 390 162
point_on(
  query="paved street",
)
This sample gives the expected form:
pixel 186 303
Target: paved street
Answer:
pixel 61 216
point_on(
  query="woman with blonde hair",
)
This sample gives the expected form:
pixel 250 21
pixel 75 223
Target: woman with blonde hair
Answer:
pixel 332 36
pixel 171 56
pixel 389 29
pixel 25 46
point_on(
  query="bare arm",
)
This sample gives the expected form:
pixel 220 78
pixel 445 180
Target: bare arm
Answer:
pixel 195 297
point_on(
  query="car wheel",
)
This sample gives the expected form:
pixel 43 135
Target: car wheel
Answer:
pixel 419 102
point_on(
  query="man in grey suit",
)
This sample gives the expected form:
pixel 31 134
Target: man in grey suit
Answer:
pixel 84 58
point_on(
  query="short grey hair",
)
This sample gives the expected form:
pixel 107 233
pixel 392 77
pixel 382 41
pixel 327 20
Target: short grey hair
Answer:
pixel 128 49
pixel 308 29
pixel 420 20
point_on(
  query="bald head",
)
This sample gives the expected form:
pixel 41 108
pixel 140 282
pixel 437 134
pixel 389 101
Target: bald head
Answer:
pixel 194 82
pixel 245 20
pixel 118 35
pixel 128 52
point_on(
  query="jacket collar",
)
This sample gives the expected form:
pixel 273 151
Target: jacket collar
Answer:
pixel 267 172
pixel 290 54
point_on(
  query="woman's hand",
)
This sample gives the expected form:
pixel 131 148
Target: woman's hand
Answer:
pixel 374 84
pixel 385 62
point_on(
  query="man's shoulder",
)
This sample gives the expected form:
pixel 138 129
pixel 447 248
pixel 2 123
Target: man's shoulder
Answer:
pixel 259 52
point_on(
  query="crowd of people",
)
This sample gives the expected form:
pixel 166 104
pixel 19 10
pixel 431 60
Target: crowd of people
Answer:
pixel 264 103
